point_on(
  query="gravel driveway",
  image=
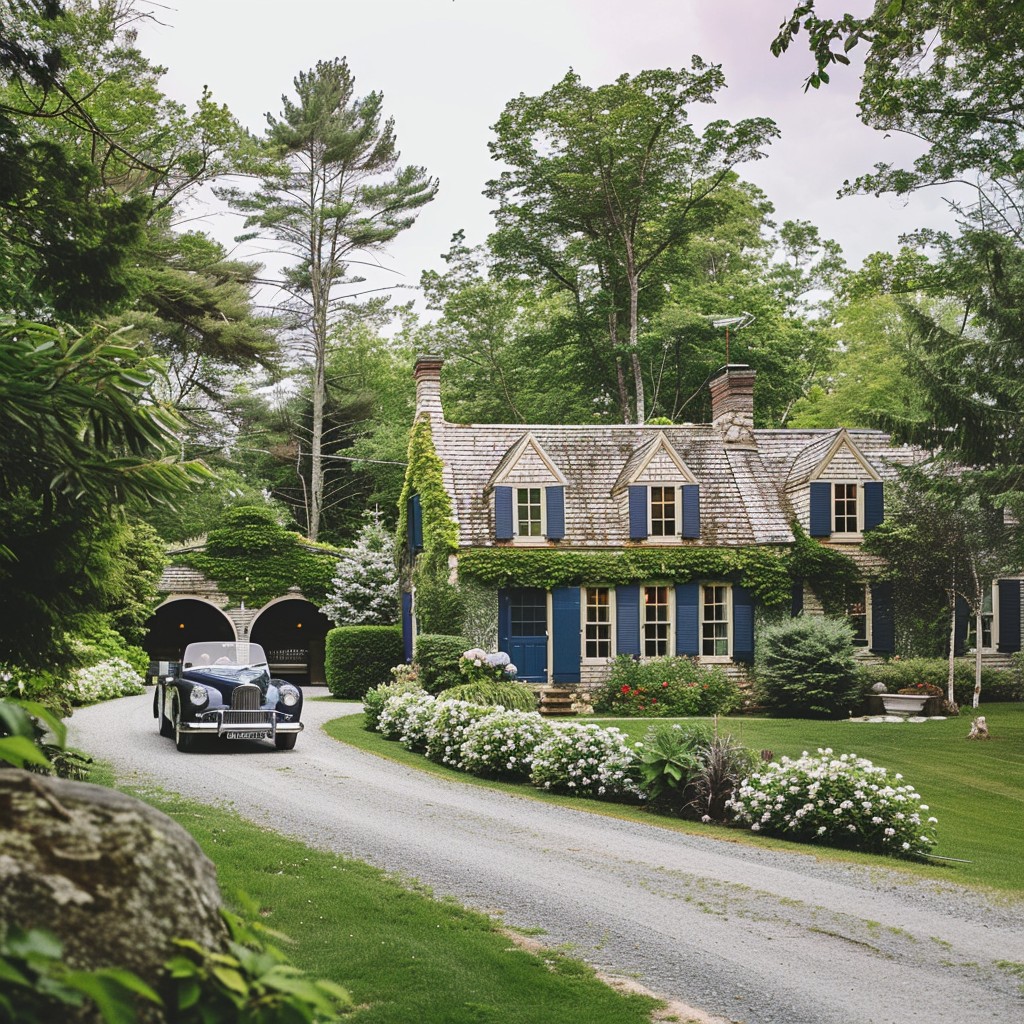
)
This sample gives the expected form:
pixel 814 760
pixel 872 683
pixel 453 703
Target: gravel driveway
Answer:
pixel 748 935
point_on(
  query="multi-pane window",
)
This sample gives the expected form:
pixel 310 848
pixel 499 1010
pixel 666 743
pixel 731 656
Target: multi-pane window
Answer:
pixel 598 624
pixel 656 628
pixel 845 507
pixel 528 517
pixel 663 511
pixel 528 608
pixel 987 622
pixel 857 613
pixel 714 623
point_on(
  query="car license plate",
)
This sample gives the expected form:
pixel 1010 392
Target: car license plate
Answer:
pixel 246 735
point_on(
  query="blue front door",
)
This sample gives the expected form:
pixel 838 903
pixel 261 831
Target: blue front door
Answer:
pixel 523 630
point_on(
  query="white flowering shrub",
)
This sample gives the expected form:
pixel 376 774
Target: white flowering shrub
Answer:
pixel 587 760
pixel 841 800
pixel 419 717
pixel 375 699
pixel 393 720
pixel 447 731
pixel 364 591
pixel 502 744
pixel 104 681
pixel 476 666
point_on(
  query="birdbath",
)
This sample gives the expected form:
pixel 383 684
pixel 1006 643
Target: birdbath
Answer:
pixel 903 703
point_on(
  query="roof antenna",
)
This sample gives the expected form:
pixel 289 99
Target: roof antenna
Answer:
pixel 736 322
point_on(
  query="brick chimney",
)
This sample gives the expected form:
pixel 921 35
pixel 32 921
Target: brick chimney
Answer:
pixel 732 403
pixel 428 386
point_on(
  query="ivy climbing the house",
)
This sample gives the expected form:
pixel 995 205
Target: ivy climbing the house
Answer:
pixel 765 571
pixel 828 572
pixel 252 558
pixel 438 606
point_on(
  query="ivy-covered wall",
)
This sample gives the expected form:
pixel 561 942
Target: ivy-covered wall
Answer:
pixel 252 558
pixel 764 570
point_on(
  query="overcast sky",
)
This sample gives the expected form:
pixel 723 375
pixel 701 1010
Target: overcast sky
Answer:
pixel 447 68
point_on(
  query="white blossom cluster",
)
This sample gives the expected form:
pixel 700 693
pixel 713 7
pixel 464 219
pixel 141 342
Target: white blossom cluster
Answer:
pixel 104 681
pixel 503 743
pixel 395 719
pixel 586 760
pixel 447 729
pixel 476 662
pixel 841 800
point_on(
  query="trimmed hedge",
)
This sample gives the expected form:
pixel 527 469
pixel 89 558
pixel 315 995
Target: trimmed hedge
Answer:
pixel 996 684
pixel 437 655
pixel 359 658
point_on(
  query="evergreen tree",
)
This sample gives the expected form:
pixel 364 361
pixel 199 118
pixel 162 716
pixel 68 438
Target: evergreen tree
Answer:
pixel 365 587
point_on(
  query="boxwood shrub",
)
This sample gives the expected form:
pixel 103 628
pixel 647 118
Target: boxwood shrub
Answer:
pixel 437 655
pixel 359 658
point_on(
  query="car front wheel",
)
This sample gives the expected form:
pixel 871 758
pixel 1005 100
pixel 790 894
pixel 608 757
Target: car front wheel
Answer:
pixel 286 740
pixel 182 740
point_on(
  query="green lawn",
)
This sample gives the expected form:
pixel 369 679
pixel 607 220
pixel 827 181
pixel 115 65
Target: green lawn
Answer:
pixel 405 958
pixel 975 789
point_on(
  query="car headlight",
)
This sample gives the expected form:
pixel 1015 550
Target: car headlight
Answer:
pixel 198 695
pixel 289 696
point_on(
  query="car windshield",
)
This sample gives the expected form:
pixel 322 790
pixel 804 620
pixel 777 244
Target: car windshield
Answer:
pixel 218 654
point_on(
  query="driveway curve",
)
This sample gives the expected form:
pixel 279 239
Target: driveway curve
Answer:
pixel 745 934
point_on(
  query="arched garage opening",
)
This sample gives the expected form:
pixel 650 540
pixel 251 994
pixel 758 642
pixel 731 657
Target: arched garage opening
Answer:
pixel 293 633
pixel 183 621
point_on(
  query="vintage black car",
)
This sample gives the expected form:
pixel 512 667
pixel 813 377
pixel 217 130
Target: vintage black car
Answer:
pixel 224 689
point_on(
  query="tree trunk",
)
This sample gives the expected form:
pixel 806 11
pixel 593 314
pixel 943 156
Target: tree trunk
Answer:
pixel 977 655
pixel 950 696
pixel 638 377
pixel 316 471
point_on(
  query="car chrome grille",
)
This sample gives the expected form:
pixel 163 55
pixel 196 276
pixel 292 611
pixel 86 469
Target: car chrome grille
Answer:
pixel 246 698
pixel 248 718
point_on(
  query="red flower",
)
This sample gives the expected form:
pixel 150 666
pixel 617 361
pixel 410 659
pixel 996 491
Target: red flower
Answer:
pixel 625 689
pixel 663 685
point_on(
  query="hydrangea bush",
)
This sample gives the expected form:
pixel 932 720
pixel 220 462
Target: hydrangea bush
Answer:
pixel 104 681
pixel 447 730
pixel 586 760
pixel 502 744
pixel 393 719
pixel 476 666
pixel 375 699
pixel 842 800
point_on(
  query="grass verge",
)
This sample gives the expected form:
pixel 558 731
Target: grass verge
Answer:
pixel 406 958
pixel 975 789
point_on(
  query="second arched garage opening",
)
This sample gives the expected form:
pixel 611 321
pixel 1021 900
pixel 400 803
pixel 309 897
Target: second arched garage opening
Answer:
pixel 293 632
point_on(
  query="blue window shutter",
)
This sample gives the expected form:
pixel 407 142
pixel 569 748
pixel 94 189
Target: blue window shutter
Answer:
pixel 961 615
pixel 407 625
pixel 691 510
pixel 504 619
pixel 873 505
pixel 555 498
pixel 627 620
pixel 883 622
pixel 1009 616
pixel 797 605
pixel 637 512
pixel 688 619
pixel 414 517
pixel 821 509
pixel 502 513
pixel 565 635
pixel 742 625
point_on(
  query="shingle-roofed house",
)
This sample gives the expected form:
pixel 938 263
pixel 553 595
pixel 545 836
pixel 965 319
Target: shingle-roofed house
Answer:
pixel 673 511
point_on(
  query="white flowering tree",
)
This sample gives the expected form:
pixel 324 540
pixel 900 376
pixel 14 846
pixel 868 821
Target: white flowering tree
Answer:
pixel 364 591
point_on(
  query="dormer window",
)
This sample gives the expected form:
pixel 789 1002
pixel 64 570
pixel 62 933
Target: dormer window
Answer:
pixel 663 511
pixel 529 512
pixel 845 509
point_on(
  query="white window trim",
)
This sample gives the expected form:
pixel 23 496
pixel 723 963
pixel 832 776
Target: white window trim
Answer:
pixel 670 605
pixel 519 538
pixel 715 659
pixel 673 537
pixel 858 534
pixel 583 626
pixel 972 621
